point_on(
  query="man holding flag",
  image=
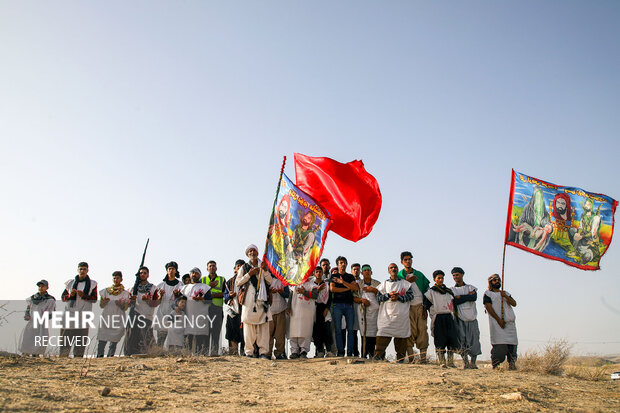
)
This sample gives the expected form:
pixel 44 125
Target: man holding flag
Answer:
pixel 503 328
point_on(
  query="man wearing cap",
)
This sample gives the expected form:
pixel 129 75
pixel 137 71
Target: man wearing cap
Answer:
pixel 417 313
pixel 502 326
pixel 465 296
pixel 369 311
pixel 80 293
pixel 115 302
pixel 342 287
pixel 33 339
pixel 216 309
pixel 168 291
pixel 253 281
pixel 197 311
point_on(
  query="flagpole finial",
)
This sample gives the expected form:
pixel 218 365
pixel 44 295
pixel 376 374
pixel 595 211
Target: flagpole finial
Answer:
pixel 283 163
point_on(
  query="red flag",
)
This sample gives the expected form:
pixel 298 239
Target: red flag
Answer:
pixel 349 193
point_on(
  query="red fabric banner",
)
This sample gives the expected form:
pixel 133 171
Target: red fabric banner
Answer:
pixel 349 193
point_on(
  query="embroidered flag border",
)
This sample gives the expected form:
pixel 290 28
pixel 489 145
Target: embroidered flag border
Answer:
pixel 554 228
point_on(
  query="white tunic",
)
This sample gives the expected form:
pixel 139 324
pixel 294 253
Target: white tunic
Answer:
pixel 197 311
pixel 442 304
pixel 113 316
pixel 417 295
pixel 79 304
pixel 176 331
pixel 372 311
pixel 255 301
pixel 467 310
pixel 323 297
pixel 393 318
pixel 508 334
pixel 303 311
pixel 278 303
pixel 232 307
pixel 29 344
pixel 167 300
pixel 143 307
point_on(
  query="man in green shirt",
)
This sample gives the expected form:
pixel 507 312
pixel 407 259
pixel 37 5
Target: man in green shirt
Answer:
pixel 417 313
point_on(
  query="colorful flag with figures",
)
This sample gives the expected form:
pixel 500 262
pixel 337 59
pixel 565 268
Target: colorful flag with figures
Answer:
pixel 559 222
pixel 296 235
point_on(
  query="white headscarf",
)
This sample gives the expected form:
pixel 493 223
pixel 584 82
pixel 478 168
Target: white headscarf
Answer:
pixel 249 247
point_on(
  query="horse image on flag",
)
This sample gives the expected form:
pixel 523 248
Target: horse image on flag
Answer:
pixel 557 222
pixel 296 235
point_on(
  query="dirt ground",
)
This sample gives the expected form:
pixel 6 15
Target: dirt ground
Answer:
pixel 183 384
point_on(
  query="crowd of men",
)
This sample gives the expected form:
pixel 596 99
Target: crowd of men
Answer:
pixel 343 313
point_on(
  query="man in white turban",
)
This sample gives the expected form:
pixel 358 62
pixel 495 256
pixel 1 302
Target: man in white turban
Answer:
pixel 253 280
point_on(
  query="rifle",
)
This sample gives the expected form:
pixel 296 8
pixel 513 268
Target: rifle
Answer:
pixel 143 256
pixel 129 345
pixel 132 311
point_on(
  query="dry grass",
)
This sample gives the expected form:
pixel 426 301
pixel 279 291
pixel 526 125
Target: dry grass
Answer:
pixel 550 360
pixel 596 373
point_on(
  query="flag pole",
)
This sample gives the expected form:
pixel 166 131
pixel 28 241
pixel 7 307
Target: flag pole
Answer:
pixel 274 206
pixel 502 289
pixel 508 226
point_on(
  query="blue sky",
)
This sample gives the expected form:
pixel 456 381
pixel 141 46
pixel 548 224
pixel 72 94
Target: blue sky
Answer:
pixel 121 121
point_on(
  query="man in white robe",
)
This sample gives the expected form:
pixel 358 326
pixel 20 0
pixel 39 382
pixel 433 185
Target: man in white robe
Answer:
pixel 302 310
pixel 144 299
pixel 369 307
pixel 33 339
pixel 465 296
pixel 393 319
pixel 255 313
pixel 198 323
pixel 502 325
pixel 115 302
pixel 80 293
pixel 168 291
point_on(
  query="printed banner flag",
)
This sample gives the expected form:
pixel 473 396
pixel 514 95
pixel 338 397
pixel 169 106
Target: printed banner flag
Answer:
pixel 296 235
pixel 558 222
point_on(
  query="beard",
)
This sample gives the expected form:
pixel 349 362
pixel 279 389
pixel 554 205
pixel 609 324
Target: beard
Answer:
pixel 561 211
pixel 496 284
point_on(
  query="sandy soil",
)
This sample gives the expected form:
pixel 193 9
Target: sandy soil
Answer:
pixel 240 384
